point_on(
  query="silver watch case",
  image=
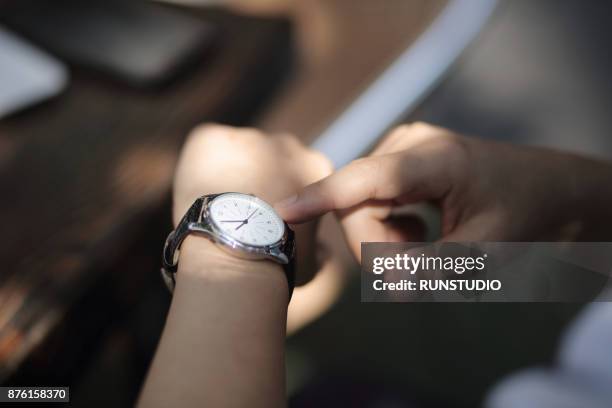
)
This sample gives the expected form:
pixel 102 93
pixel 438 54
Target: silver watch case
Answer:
pixel 281 252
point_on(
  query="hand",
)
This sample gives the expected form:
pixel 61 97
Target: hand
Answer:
pixel 220 158
pixel 485 190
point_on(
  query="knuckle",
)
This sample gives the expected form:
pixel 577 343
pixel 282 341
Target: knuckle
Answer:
pixel 208 129
pixel 326 195
pixel 222 135
pixel 410 132
pixel 401 130
pixel 287 138
pixel 288 141
pixel 207 132
pixel 369 170
pixel 424 128
pixel 398 133
pixel 364 165
pixel 322 191
pixel 248 132
pixel 420 125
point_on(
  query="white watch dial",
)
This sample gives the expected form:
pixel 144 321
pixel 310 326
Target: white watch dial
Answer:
pixel 246 219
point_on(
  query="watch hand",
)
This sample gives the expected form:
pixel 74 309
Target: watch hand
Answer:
pixel 246 221
pixel 231 221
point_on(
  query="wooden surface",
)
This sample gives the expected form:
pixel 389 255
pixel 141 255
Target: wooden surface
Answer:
pixel 80 174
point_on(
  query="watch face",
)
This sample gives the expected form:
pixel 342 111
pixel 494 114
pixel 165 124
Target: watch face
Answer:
pixel 246 219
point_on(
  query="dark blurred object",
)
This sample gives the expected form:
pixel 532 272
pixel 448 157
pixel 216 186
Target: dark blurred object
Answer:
pixel 139 42
pixel 345 390
pixel 86 183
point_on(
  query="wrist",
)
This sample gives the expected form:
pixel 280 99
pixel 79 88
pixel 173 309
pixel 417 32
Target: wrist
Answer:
pixel 203 260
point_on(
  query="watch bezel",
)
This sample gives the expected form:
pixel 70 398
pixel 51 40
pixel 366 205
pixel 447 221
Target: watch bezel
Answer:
pixel 236 247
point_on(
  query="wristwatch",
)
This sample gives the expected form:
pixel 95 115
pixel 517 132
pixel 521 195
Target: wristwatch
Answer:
pixel 242 224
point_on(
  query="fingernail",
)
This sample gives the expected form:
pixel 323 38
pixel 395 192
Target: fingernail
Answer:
pixel 287 202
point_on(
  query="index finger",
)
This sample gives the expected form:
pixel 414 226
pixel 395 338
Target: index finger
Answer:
pixel 411 175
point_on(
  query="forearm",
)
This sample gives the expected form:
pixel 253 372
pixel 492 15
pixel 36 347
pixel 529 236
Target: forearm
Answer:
pixel 223 344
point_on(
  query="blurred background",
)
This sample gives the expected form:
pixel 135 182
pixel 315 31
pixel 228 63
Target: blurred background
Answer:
pixel 96 98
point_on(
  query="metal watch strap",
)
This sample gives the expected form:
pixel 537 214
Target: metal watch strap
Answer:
pixel 192 223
